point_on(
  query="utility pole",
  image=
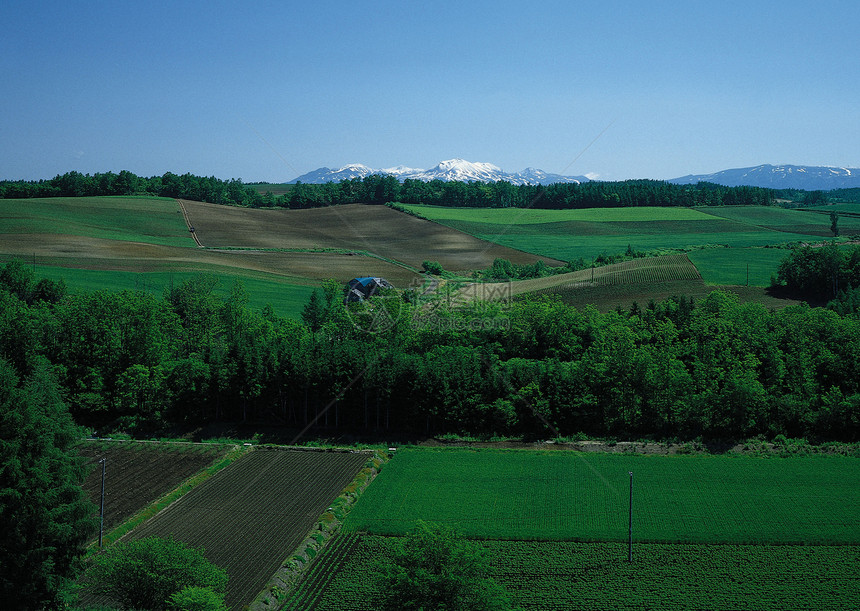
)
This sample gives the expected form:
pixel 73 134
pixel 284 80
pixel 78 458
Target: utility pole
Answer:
pixel 630 537
pixel 103 461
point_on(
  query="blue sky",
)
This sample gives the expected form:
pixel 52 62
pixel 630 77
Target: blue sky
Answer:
pixel 270 90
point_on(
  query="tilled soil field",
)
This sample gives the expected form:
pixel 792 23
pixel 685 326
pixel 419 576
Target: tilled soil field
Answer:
pixel 139 473
pixel 377 229
pixel 252 515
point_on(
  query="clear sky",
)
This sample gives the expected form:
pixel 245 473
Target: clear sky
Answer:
pixel 270 90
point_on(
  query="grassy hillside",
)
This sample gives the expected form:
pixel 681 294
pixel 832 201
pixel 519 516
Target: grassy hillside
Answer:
pixel 286 299
pixel 116 242
pixel 152 220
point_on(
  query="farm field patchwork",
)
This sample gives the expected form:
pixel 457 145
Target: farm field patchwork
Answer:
pixel 812 223
pixel 139 473
pixel 251 516
pixel 568 575
pixel 640 280
pixel 636 271
pixel 851 208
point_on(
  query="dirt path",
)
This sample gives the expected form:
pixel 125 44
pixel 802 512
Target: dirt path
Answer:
pixel 188 222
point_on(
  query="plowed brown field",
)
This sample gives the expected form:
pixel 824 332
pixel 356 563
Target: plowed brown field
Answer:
pixel 139 473
pixel 252 515
pixel 375 229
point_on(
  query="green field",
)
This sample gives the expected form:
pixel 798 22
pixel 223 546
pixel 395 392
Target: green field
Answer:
pixel 286 299
pixel 710 532
pixel 154 220
pixel 846 207
pixel 571 234
pixel 568 575
pixel 811 222
pixel 728 266
pixel 535 216
pixel 570 496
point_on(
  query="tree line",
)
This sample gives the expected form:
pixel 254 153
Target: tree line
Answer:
pixel 379 189
pixel 231 192
pixel 529 368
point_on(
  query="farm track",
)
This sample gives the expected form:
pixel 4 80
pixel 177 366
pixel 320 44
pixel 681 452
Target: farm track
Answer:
pixel 188 222
pixel 252 515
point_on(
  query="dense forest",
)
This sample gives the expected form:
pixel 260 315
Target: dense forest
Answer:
pixel 384 189
pixel 534 368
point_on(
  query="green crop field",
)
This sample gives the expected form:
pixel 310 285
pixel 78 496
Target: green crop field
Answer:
pixel 535 216
pixel 571 496
pixel 812 223
pixel 570 576
pixel 286 298
pixel 846 207
pixel 728 266
pixel 570 234
pixel 710 532
pixel 153 220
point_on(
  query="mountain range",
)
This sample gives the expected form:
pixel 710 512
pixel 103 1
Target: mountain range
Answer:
pixel 450 170
pixel 808 178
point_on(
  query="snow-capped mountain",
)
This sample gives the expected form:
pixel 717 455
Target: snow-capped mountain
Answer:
pixel 450 170
pixel 809 178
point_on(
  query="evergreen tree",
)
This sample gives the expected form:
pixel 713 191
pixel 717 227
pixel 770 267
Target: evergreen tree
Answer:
pixel 314 312
pixel 46 518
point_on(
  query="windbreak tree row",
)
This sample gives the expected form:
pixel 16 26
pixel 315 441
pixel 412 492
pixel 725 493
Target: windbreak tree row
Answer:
pixel 534 368
pixel 378 189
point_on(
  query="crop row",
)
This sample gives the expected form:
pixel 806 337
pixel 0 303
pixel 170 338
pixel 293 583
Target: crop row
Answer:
pixel 249 517
pixel 568 575
pixel 319 576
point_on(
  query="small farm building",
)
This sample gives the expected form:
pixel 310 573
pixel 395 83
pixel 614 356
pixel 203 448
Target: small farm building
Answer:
pixel 359 289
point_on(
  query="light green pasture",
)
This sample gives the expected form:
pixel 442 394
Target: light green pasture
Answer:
pixel 153 220
pixel 286 298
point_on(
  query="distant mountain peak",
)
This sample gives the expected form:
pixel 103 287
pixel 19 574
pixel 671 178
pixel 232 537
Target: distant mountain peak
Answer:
pixel 448 170
pixel 784 176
